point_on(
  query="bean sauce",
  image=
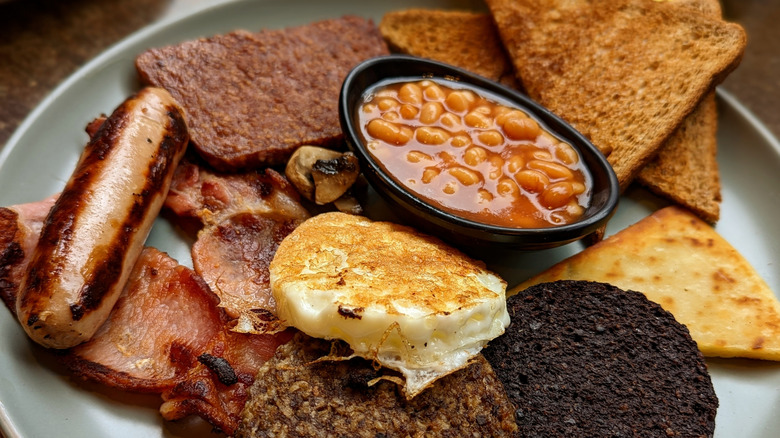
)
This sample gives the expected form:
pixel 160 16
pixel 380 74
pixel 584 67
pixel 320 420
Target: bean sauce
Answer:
pixel 471 154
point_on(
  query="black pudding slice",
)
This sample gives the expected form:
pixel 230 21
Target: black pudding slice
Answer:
pixel 588 359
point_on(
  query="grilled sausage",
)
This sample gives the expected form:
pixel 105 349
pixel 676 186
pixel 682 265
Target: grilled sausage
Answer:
pixel 96 229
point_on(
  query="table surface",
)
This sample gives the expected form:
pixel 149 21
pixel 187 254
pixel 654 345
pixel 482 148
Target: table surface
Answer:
pixel 43 41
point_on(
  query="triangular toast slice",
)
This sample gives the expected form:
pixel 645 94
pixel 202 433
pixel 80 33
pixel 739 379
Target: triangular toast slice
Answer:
pixel 683 264
pixel 623 72
pixel 685 170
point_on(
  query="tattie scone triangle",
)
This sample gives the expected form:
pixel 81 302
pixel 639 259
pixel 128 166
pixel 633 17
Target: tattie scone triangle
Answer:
pixel 683 264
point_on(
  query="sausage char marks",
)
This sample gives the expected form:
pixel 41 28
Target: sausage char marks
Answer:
pixel 96 229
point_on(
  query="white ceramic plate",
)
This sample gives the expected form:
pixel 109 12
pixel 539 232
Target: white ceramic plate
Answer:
pixel 38 398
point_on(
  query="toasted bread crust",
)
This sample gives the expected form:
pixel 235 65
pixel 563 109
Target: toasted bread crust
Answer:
pixel 625 73
pixel 710 8
pixel 465 39
pixel 686 168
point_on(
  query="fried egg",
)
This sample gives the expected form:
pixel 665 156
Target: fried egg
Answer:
pixel 398 297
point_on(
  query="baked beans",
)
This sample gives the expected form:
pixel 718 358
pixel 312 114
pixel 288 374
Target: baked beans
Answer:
pixel 472 155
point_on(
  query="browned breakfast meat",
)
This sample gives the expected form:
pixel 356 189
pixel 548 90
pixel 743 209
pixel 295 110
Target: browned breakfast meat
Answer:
pixel 209 197
pixel 20 226
pixel 93 126
pixel 295 395
pixel 97 227
pixel 252 98
pixel 244 217
pixel 234 255
pixel 588 359
pixel 166 335
pixel 217 388
pixel 174 315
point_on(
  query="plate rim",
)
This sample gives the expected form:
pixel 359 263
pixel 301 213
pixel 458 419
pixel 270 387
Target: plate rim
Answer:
pixel 8 428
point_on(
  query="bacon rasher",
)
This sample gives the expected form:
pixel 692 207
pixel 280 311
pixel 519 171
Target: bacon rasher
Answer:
pixel 20 226
pixel 163 321
pixel 166 334
pixel 244 217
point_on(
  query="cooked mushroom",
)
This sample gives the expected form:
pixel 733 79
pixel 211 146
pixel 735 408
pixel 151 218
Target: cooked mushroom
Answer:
pixel 334 177
pixel 298 169
pixel 322 175
pixel 348 204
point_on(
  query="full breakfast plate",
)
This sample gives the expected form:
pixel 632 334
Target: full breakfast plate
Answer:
pixel 37 396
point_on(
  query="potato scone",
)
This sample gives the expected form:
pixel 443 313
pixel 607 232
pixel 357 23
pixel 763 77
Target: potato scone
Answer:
pixel 296 394
pixel 396 296
pixel 586 359
pixel 683 264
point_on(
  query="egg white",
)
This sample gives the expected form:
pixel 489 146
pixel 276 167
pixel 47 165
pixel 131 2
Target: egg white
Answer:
pixel 422 343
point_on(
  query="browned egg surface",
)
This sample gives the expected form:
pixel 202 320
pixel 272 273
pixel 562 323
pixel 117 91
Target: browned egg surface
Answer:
pixel 472 156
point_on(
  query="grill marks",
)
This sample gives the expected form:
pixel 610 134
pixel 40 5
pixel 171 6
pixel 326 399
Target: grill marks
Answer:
pixel 163 320
pixel 167 333
pixel 95 232
pixel 108 259
pixel 105 273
